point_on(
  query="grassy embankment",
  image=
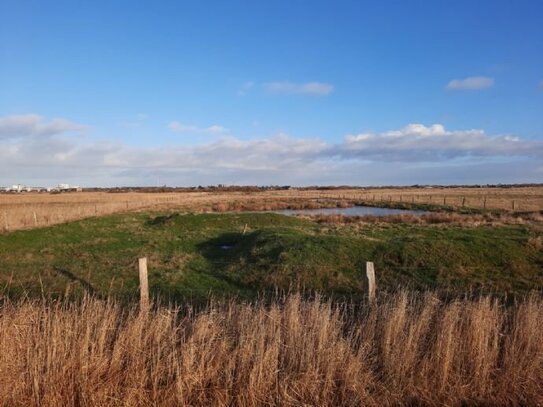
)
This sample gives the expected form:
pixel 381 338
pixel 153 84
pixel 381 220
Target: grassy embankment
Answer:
pixel 192 255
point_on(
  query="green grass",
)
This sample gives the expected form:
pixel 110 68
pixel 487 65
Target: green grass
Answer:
pixel 191 255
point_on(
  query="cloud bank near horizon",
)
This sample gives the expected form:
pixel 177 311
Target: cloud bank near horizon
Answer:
pixel 35 150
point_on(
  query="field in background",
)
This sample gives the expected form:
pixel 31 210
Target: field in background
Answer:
pixel 408 350
pixel 28 210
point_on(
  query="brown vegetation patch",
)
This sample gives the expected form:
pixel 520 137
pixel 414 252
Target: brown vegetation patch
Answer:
pixel 405 350
pixel 30 210
pixel 434 218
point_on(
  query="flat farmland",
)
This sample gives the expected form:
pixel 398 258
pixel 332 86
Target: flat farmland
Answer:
pixel 456 319
pixel 29 210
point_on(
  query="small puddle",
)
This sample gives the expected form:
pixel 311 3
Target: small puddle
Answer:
pixel 352 211
pixel 226 246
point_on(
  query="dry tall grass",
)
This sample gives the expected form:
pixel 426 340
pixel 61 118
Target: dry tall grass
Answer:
pixel 436 218
pixel 405 350
pixel 32 210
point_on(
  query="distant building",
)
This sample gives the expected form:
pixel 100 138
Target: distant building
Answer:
pixel 15 188
pixel 65 188
pixel 22 188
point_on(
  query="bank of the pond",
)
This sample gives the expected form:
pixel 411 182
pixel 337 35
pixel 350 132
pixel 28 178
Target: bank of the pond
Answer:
pixel 358 210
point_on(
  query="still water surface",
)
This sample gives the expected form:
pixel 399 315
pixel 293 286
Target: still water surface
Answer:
pixel 352 211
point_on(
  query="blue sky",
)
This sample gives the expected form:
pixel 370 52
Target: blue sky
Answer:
pixel 301 92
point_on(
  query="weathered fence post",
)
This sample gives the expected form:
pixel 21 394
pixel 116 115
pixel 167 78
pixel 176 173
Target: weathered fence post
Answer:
pixel 513 205
pixel 6 221
pixel 144 284
pixel 370 274
pixel 35 219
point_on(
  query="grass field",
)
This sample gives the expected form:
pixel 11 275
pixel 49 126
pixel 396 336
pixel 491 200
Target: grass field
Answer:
pixel 29 210
pixel 191 255
pixel 456 322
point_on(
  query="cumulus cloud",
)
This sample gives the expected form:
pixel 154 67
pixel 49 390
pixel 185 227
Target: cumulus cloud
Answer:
pixel 417 142
pixel 471 83
pixel 290 88
pixel 31 125
pixel 281 159
pixel 189 128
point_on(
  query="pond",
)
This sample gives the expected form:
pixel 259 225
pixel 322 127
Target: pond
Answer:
pixel 352 211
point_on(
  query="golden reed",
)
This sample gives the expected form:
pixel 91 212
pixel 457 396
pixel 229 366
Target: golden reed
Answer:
pixel 407 349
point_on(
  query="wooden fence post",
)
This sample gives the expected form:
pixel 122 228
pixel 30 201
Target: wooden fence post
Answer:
pixel 370 274
pixel 144 284
pixel 6 221
pixel 35 219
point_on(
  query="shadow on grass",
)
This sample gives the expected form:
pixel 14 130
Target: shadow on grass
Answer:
pixel 162 220
pixel 84 283
pixel 242 259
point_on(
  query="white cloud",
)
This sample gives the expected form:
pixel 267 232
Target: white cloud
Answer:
pixel 471 83
pixel 417 142
pixel 189 128
pixel 289 88
pixel 417 152
pixel 31 125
